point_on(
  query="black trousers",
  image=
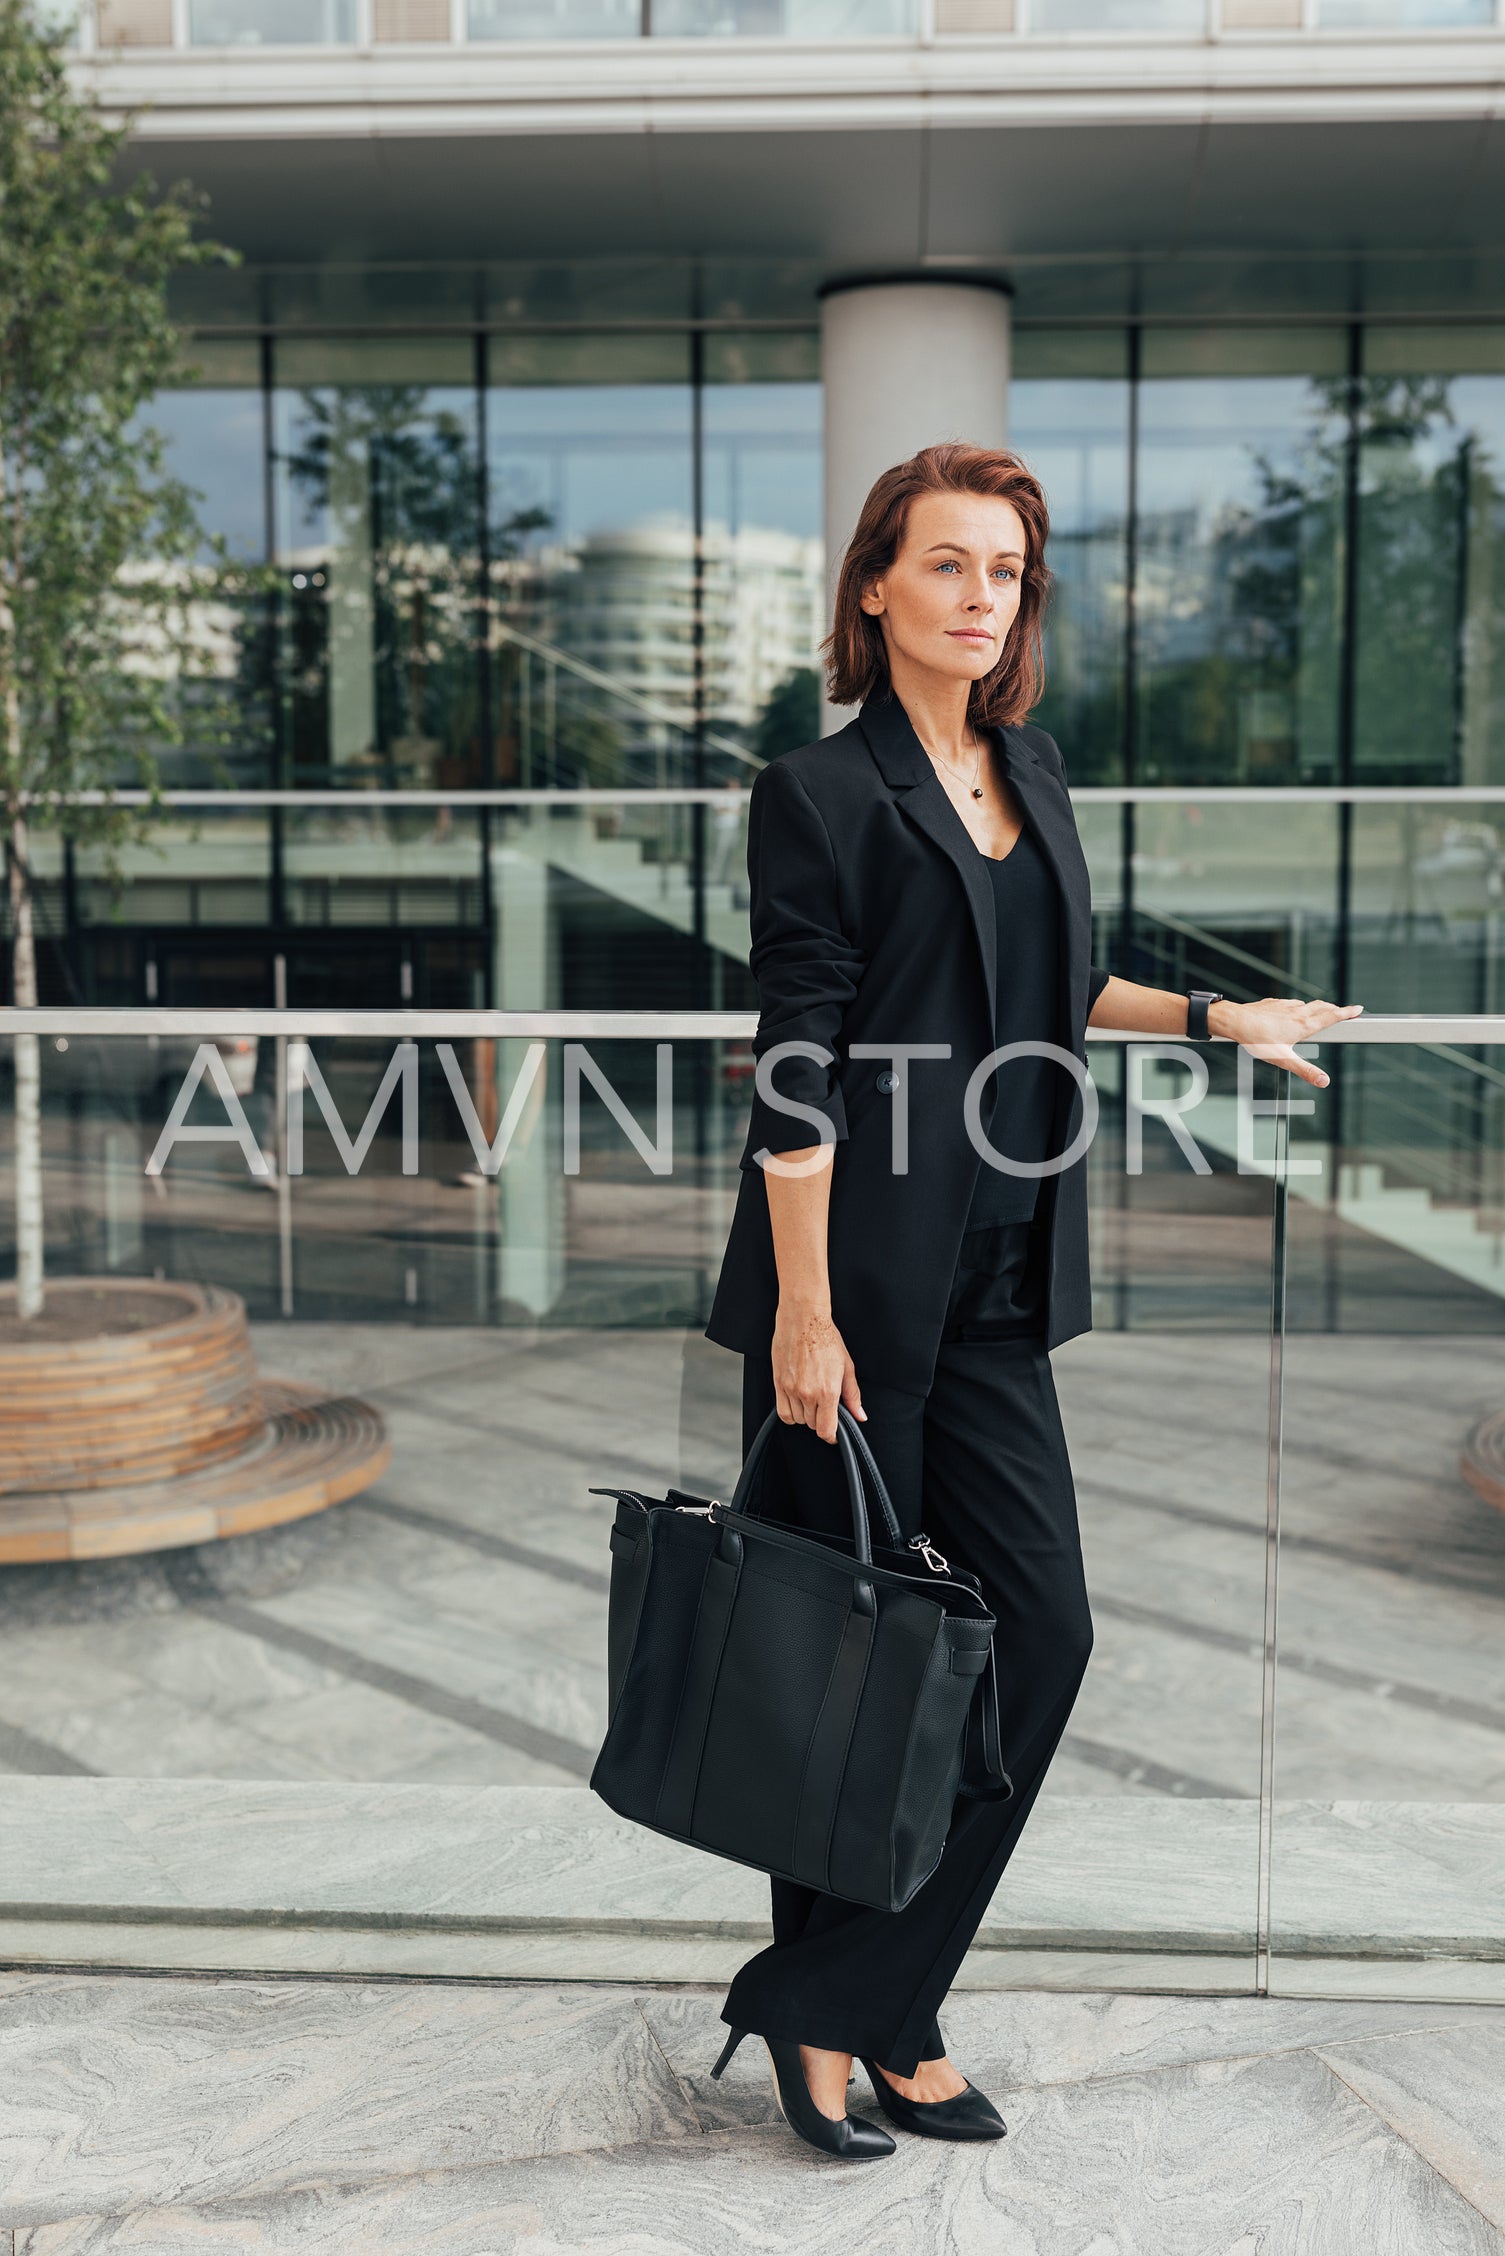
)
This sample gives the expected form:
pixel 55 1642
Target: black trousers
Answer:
pixel 980 1463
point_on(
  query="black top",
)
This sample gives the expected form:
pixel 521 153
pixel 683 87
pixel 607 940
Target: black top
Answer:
pixel 1027 909
pixel 867 893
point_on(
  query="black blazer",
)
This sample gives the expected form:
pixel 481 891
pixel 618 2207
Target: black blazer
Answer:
pixel 873 922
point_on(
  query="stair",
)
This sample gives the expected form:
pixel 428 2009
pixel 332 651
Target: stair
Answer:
pixel 619 867
pixel 1452 1238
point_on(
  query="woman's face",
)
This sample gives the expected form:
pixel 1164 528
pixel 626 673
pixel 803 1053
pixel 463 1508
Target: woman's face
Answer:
pixel 951 595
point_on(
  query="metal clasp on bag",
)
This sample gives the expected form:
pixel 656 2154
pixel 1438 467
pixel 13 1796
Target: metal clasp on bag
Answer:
pixel 929 1553
pixel 700 1511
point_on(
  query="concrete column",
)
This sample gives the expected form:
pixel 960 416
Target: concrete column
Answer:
pixel 904 365
pixel 530 1187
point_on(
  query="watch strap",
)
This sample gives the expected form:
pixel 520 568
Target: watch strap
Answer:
pixel 1197 1003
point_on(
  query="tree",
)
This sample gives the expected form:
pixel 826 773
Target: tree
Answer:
pixel 791 717
pixel 103 617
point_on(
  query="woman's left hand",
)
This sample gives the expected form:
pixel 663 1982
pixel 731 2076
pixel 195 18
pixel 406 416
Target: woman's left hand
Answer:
pixel 1271 1028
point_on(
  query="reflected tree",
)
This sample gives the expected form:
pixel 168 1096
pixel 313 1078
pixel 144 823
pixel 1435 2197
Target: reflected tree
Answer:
pixel 1241 628
pixel 383 626
pixel 792 715
pixel 1429 585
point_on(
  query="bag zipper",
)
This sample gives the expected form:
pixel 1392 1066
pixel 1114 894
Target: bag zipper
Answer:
pixel 887 1574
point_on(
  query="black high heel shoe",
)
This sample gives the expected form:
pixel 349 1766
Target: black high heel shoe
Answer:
pixel 848 2137
pixel 969 2115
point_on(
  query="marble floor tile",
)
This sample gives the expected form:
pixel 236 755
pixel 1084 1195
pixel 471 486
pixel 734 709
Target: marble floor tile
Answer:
pixel 466 1657
pixel 1444 2092
pixel 1022 2039
pixel 1258 2158
pixel 152 1735
pixel 206 1666
pixel 360 1732
pixel 136 2094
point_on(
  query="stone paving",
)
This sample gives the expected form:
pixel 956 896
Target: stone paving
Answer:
pixel 161 2116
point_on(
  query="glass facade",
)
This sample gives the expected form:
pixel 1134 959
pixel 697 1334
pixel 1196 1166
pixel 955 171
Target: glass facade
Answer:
pixel 577 545
pixel 1278 553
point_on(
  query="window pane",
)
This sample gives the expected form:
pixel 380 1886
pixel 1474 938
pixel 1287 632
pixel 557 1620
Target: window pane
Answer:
pixel 555 19
pixel 1407 15
pixel 784 19
pixel 764 557
pixel 1430 703
pixel 592 548
pixel 1238 596
pixel 214 438
pixel 1116 15
pixel 1073 432
pixel 270 23
pixel 213 441
pixel 377 488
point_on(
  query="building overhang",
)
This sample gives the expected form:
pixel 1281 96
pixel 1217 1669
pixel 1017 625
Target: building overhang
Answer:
pixel 961 152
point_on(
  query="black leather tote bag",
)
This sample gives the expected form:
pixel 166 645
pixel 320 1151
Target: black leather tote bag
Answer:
pixel 800 1705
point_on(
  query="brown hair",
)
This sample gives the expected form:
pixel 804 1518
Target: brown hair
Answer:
pixel 856 655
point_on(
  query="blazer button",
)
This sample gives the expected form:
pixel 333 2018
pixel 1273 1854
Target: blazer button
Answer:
pixel 888 1082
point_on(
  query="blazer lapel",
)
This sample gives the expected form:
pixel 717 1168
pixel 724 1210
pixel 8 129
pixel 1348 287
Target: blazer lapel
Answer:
pixel 919 792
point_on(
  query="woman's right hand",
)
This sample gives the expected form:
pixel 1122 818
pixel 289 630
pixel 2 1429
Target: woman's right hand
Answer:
pixel 812 1371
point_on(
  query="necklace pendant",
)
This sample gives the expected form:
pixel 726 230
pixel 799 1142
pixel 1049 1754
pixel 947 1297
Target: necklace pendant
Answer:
pixel 977 790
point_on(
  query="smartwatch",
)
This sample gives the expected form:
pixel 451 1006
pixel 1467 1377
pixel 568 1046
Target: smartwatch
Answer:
pixel 1196 1013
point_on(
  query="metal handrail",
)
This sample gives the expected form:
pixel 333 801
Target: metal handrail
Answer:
pixel 617 1026
pixel 513 795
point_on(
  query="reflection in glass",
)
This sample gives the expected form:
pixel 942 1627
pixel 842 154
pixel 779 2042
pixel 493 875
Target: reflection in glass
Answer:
pixel 1428 907
pixel 555 19
pixel 763 556
pixel 1115 15
pixel 271 23
pixel 597 673
pixel 1238 599
pixel 377 533
pixel 399 866
pixel 199 866
pixel 1430 703
pixel 784 19
pixel 1237 898
pixel 1402 15
pixel 1073 430
pixel 214 441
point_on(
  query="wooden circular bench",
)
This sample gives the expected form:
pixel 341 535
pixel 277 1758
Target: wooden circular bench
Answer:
pixel 133 1418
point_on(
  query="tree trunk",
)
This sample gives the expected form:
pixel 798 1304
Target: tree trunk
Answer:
pixel 29 1288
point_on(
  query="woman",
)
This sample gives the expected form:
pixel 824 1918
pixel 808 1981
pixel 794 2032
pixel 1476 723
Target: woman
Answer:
pixel 920 902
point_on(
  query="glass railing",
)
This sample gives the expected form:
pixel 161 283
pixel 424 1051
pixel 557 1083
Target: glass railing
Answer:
pixel 343 1314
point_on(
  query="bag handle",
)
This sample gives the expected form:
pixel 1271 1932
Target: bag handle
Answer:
pixel 853 1446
